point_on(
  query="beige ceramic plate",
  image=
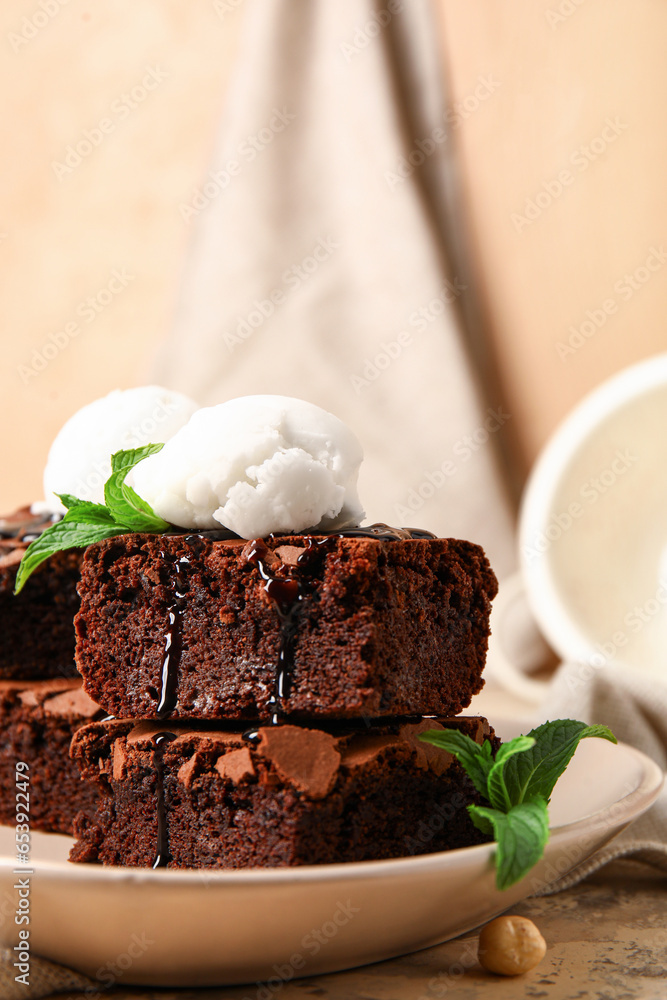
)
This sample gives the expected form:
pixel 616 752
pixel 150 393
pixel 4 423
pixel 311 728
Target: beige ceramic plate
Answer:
pixel 182 928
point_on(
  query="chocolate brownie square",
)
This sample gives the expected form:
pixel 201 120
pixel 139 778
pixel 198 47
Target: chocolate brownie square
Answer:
pixel 197 795
pixel 37 722
pixel 36 625
pixel 296 627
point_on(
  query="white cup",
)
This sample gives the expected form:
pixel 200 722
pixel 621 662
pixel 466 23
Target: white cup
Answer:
pixel 593 530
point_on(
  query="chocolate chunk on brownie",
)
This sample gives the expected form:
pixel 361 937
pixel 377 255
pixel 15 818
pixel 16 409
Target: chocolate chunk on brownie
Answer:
pixel 301 627
pixel 36 626
pixel 37 722
pixel 195 795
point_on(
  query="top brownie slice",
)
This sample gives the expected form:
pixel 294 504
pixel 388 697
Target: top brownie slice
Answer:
pixel 293 626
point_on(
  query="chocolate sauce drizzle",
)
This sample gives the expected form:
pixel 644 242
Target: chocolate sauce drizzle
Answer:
pixel 24 526
pixel 383 531
pixel 377 530
pixel 162 855
pixel 288 593
pixel 173 641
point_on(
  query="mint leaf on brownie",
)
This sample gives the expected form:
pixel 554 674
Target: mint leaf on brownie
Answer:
pixel 85 523
pixel 521 834
pixel 537 770
pixel 126 506
pixel 517 783
pixel 57 538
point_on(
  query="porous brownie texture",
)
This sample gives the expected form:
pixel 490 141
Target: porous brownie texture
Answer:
pixel 37 722
pixel 384 627
pixel 295 796
pixel 36 625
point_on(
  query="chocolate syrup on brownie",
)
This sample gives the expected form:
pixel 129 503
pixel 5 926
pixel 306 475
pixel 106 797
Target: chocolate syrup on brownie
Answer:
pixel 162 855
pixel 173 642
pixel 382 531
pixel 287 593
pixel 24 526
pixel 378 530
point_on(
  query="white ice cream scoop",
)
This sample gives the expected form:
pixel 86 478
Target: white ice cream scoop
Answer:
pixel 79 461
pixel 256 465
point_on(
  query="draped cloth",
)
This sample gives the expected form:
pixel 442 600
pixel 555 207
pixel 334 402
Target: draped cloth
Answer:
pixel 318 264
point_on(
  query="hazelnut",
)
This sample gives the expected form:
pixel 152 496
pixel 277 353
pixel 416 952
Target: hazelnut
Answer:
pixel 509 946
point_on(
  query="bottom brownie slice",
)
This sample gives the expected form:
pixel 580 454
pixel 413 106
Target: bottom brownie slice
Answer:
pixel 37 722
pixel 195 796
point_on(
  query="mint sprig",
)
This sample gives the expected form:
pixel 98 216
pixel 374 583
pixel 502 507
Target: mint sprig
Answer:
pixel 85 523
pixel 125 506
pixel 517 783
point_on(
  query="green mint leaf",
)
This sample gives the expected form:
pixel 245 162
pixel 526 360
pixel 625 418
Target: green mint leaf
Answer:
pixel 536 771
pixel 498 793
pixel 476 760
pixel 521 835
pixel 85 512
pixel 128 459
pixel 85 523
pixel 518 783
pixel 68 500
pixel 479 819
pixel 63 535
pixel 126 506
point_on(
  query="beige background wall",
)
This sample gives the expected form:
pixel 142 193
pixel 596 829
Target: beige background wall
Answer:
pixel 64 234
pixel 562 71
pixel 559 77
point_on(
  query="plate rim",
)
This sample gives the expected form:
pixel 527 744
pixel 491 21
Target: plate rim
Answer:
pixel 634 803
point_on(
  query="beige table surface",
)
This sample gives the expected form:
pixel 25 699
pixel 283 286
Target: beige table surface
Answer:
pixel 607 940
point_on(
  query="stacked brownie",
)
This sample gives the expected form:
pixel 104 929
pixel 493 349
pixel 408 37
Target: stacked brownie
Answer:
pixel 42 703
pixel 268 695
pixel 36 625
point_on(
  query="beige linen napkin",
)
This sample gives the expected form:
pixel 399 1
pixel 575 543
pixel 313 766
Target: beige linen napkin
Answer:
pixel 634 706
pixel 317 264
